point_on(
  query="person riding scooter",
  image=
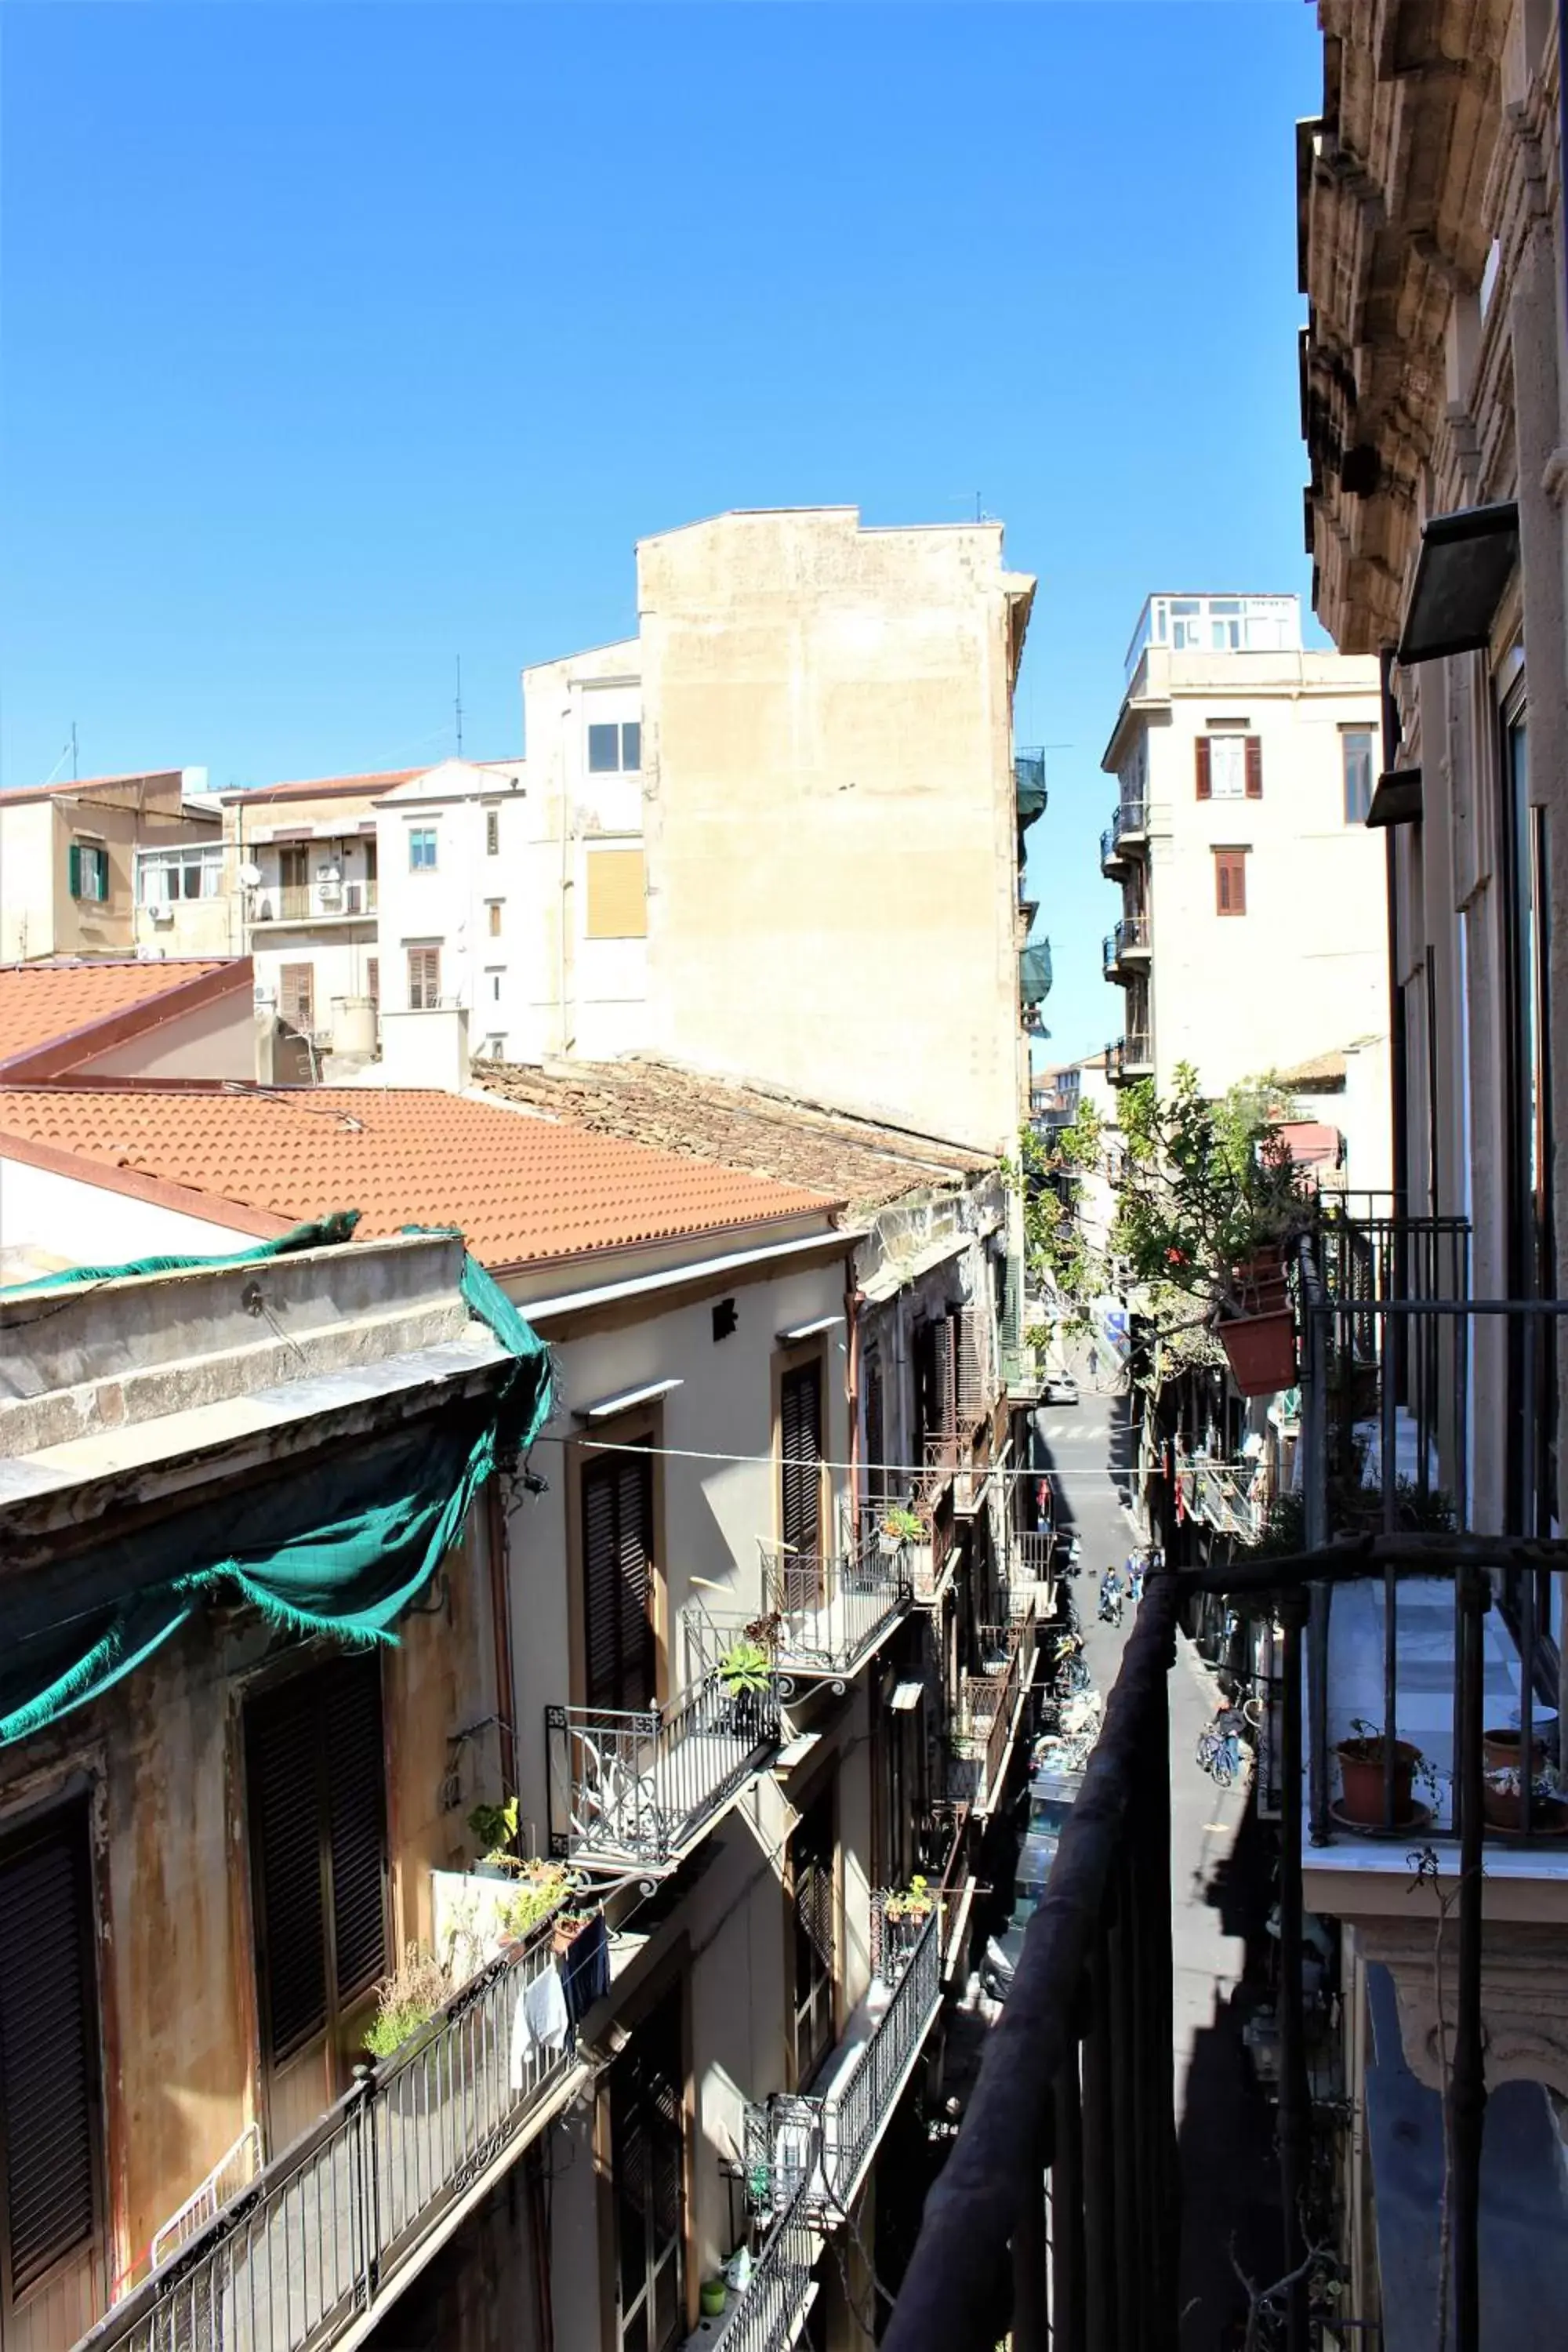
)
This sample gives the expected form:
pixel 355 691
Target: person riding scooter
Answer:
pixel 1111 1598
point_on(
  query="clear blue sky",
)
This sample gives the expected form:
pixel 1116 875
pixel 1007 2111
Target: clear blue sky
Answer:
pixel 341 341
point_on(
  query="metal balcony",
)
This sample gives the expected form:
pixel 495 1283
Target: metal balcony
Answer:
pixel 1129 1058
pixel 1127 944
pixel 333 2229
pixel 829 1612
pixel 635 1788
pixel 308 902
pixel 991 1709
pixel 1128 830
pixel 1229 1498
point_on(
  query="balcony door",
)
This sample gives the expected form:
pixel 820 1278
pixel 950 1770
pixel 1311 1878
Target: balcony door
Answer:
pixel 813 1935
pixel 801 1454
pixel 316 1780
pixel 620 1647
pixel 647 2170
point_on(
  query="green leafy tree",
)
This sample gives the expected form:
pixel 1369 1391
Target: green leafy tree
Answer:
pixel 1051 1174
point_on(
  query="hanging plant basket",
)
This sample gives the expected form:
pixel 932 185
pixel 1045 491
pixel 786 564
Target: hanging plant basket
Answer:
pixel 1261 1352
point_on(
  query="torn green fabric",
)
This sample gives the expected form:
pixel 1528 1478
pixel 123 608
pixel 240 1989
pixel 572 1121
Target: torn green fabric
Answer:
pixel 321 1232
pixel 342 1552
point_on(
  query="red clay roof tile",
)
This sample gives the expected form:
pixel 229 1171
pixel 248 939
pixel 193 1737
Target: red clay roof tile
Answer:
pixel 42 1001
pixel 522 1189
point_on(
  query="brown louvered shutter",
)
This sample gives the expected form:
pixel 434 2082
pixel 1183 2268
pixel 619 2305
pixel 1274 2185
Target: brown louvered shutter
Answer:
pixel 356 1825
pixel 1204 771
pixel 49 2051
pixel 316 1773
pixel 282 1768
pixel 1254 767
pixel 875 1433
pixel 964 1322
pixel 617 1581
pixel 800 1445
pixel 944 1397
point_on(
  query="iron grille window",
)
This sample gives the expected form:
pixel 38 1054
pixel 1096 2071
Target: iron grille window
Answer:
pixel 619 1579
pixel 648 2161
pixel 49 2168
pixel 316 1778
pixel 814 1935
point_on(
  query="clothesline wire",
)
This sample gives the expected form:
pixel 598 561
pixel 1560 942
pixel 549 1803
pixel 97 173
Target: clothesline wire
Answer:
pixel 811 1461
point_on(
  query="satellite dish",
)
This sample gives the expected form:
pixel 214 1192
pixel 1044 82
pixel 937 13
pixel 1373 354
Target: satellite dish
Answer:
pixel 250 875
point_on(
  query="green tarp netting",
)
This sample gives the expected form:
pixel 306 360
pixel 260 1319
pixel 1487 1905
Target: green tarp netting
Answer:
pixel 1029 788
pixel 342 1551
pixel 1034 973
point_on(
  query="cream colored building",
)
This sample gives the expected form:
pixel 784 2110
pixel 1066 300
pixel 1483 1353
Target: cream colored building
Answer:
pixel 832 838
pixel 302 863
pixel 73 856
pixel 1252 932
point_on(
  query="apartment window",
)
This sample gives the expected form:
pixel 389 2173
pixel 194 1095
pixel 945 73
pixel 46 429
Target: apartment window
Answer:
pixel 1229 767
pixel 1186 624
pixel 647 2165
pixel 814 1938
pixel 615 750
pixel 495 977
pixel 1230 881
pixel 421 849
pixel 297 995
pixel 617 895
pixel 87 871
pixel 1355 751
pixel 315 1781
pixel 294 867
pixel 372 979
pixel 1225 623
pixel 492 832
pixel 165 876
pixel 50 2180
pixel 492 917
pixel 423 979
pixel 800 1471
pixel 618 1581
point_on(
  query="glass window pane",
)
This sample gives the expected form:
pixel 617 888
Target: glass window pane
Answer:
pixel 1227 767
pixel 631 746
pixel 604 750
pixel 1357 744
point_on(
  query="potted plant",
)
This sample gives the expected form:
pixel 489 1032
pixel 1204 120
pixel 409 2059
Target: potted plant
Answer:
pixel 569 1926
pixel 904 1914
pixel 746 1671
pixel 541 1888
pixel 406 2001
pixel 1501 1747
pixel 494 1829
pixel 899 1525
pixel 1362 1774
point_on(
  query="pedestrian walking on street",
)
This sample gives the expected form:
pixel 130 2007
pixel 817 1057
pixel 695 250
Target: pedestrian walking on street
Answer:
pixel 1135 1582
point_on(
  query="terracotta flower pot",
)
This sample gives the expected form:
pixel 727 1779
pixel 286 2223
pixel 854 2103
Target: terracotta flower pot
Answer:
pixel 1500 1751
pixel 1261 1350
pixel 1360 1771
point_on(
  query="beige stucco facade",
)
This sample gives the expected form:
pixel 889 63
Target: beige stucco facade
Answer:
pixel 300 860
pixel 1298 966
pixel 55 903
pixel 829 802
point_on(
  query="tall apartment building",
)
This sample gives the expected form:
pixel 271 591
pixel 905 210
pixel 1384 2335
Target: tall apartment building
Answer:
pixel 1252 932
pixel 81 863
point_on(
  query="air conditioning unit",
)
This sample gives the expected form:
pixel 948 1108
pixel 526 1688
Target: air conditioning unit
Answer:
pixel 161 913
pixel 262 911
pixel 328 892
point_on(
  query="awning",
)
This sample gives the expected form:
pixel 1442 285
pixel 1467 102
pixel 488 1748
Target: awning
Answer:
pixel 1035 971
pixel 1397 798
pixel 1467 560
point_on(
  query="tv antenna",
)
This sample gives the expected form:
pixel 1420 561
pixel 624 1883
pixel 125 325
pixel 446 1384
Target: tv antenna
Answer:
pixel 457 706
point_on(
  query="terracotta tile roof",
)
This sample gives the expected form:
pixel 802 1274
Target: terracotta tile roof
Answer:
pixel 70 785
pixel 745 1125
pixel 81 1009
pixel 520 1188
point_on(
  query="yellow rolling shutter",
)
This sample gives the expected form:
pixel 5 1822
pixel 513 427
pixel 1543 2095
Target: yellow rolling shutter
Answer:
pixel 617 907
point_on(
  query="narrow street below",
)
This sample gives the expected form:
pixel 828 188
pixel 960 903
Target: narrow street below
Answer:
pixel 1221 1891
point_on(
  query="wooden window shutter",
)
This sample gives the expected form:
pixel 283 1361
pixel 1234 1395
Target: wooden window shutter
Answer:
pixel 49 2049
pixel 964 1322
pixel 73 869
pixel 283 1770
pixel 944 1399
pixel 1230 881
pixel 617 1581
pixel 297 994
pixel 1204 771
pixel 356 1825
pixel 1254 767
pixel 875 1433
pixel 617 895
pixel 800 1445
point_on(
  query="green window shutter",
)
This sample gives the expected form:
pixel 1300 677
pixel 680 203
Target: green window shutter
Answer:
pixel 73 869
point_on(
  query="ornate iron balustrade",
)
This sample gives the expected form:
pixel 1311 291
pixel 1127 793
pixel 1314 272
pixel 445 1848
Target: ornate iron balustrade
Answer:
pixel 832 1609
pixel 767 2315
pixel 327 2233
pixel 1035 1552
pixel 1229 1497
pixel 988 1709
pixel 631 1788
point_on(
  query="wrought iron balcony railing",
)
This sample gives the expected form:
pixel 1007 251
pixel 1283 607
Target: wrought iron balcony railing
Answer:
pixel 1230 1498
pixel 1129 1057
pixel 829 1611
pixel 767 2313
pixel 310 902
pixel 330 2232
pixel 633 1788
pixel 1128 940
pixel 1129 824
pixel 989 1711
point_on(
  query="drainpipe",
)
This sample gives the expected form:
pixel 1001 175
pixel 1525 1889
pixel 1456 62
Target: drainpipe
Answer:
pixel 853 1302
pixel 1399 1125
pixel 498 1548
